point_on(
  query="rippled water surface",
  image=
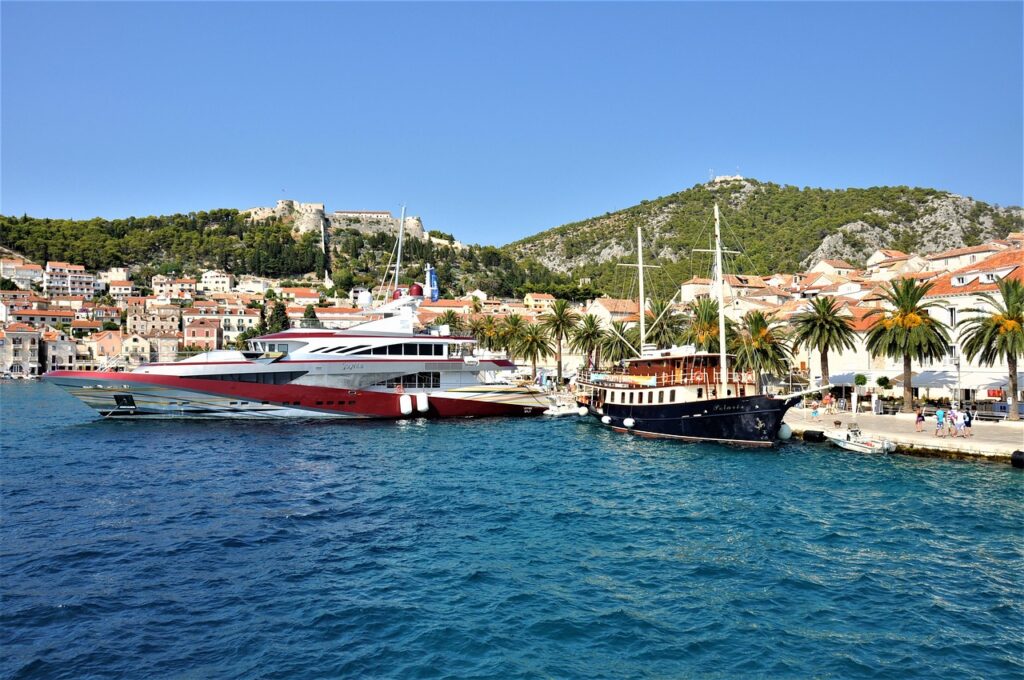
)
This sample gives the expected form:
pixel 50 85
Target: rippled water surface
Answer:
pixel 490 548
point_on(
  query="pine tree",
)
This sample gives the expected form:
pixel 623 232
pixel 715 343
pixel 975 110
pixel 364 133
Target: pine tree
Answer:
pixel 278 320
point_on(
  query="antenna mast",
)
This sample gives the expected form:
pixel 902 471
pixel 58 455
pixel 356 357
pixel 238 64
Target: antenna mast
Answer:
pixel 401 234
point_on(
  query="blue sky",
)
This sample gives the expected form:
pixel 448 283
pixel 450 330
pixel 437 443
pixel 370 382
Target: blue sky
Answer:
pixel 495 121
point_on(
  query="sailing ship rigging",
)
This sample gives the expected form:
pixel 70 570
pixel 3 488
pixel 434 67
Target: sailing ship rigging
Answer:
pixel 681 393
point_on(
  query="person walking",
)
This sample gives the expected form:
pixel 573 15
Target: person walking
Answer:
pixel 940 422
pixel 969 421
pixel 961 424
pixel 919 420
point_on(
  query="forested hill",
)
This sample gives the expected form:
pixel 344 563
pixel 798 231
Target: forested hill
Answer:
pixel 780 228
pixel 187 244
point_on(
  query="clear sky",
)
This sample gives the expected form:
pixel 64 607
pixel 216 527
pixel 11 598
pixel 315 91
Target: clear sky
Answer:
pixel 495 121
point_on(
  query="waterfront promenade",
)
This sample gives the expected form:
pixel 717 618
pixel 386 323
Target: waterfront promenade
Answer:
pixel 994 441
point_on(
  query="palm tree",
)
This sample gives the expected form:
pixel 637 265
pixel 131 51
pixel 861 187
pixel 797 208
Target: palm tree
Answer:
pixel 759 345
pixel 560 320
pixel 587 338
pixel 998 334
pixel 617 345
pixel 907 330
pixel 451 319
pixel 702 327
pixel 665 325
pixel 475 327
pixel 822 328
pixel 490 333
pixel 534 344
pixel 509 333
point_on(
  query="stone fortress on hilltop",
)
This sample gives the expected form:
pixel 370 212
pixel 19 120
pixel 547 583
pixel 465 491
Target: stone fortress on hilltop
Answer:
pixel 311 217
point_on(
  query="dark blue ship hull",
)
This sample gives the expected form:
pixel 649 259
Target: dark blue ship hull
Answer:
pixel 746 421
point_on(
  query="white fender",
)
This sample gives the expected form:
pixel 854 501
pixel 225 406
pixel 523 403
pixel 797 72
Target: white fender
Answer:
pixel 405 404
pixel 785 432
pixel 606 420
pixel 582 410
pixel 629 422
pixel 421 402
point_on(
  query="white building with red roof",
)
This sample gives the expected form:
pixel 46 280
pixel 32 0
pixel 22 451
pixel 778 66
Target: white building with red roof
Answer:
pixel 948 260
pixel 64 278
pixel 837 267
pixel 19 350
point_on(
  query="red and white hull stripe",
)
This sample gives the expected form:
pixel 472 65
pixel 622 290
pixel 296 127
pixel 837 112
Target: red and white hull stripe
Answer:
pixel 118 394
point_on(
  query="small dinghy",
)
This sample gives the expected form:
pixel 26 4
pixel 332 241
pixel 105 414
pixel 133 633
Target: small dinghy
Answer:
pixel 561 406
pixel 852 439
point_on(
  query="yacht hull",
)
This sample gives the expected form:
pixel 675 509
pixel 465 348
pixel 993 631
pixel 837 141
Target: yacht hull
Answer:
pixel 135 395
pixel 743 421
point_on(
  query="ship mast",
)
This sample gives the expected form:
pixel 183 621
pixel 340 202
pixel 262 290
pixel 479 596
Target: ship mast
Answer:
pixel 723 367
pixel 643 299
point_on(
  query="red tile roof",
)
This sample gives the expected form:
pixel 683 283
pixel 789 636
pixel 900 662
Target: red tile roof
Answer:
pixel 1007 259
pixel 452 304
pixel 957 252
pixel 617 306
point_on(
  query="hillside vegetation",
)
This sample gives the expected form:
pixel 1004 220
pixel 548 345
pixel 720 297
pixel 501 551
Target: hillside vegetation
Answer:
pixel 778 228
pixel 186 244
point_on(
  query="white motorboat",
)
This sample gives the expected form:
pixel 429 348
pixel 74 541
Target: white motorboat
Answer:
pixel 562 406
pixel 852 439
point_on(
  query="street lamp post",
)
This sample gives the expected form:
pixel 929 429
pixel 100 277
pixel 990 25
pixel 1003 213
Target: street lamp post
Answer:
pixel 959 393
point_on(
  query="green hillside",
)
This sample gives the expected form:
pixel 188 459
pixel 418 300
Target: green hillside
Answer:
pixel 186 244
pixel 779 228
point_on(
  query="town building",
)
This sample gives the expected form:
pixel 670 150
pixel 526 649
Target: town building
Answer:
pixel 215 281
pixel 837 267
pixel 19 350
pixel 300 296
pixel 41 317
pixel 62 278
pixel 164 347
pixel 120 291
pixel 24 274
pixel 610 310
pixel 204 334
pixel 948 260
pixel 113 274
pixel 58 351
pixel 538 301
pixel 173 289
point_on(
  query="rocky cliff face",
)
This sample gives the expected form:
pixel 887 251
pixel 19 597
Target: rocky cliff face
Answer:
pixel 779 227
pixel 947 221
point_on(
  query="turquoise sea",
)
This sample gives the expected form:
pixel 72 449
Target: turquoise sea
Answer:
pixel 490 548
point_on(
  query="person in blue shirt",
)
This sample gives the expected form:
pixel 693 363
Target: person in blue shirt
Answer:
pixel 940 422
